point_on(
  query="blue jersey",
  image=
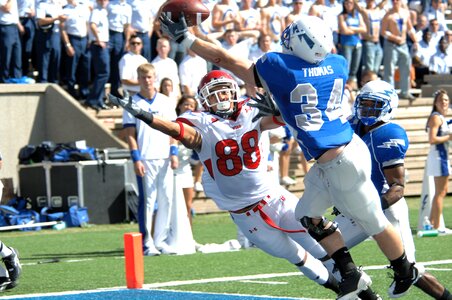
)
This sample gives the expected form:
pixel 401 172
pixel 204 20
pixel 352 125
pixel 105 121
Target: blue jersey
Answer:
pixel 309 97
pixel 387 144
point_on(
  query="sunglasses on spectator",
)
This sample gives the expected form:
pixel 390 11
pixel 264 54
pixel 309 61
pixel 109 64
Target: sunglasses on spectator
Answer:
pixel 135 43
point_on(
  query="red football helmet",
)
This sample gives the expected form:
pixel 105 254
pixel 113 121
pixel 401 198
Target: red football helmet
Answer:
pixel 219 84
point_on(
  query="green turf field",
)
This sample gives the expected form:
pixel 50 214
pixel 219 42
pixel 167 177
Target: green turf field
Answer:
pixel 90 258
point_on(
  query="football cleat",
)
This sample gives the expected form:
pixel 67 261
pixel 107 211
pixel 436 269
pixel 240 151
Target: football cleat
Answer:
pixel 401 285
pixel 14 268
pixel 4 282
pixel 354 284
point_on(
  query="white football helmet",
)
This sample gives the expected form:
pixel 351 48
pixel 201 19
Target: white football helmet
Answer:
pixel 384 98
pixel 308 37
pixel 215 83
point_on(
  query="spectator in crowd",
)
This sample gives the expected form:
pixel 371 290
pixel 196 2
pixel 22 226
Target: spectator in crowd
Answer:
pixel 395 27
pixel 272 21
pixel 10 47
pixel 154 156
pixel 191 70
pixel 74 35
pixel 184 173
pixel 436 11
pixel 357 194
pixel 167 88
pixel 100 55
pixel 351 26
pixel 438 163
pixel 224 16
pixel 166 66
pixel 421 25
pixel 10 256
pixel 441 61
pixel 296 12
pixel 49 14
pixel 421 57
pixel 375 107
pixel 263 45
pixel 372 51
pixel 318 8
pixel 249 17
pixel 142 24
pixel 27 13
pixel 128 65
pixel 119 19
pixel 209 133
pixel 448 36
pixel 436 33
pixel 205 27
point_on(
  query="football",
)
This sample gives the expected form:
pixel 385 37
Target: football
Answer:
pixel 195 11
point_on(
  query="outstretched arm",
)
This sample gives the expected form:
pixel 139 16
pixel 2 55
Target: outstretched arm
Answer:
pixel 186 134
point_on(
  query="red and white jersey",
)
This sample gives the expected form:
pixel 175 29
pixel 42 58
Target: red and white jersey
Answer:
pixel 235 173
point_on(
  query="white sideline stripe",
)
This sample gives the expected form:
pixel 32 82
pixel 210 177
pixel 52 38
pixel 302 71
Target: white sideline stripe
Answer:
pixel 264 282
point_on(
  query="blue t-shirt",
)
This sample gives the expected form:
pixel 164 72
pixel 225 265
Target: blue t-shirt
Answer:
pixel 309 97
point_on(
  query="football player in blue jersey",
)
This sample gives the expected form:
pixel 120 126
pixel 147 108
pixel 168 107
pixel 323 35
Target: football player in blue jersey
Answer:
pixel 388 143
pixel 307 83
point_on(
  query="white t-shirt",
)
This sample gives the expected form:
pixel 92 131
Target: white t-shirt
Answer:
pixel 128 65
pixel 167 68
pixel 152 143
pixel 191 70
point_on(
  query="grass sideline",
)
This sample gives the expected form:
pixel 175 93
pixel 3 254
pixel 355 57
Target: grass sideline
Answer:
pixel 90 258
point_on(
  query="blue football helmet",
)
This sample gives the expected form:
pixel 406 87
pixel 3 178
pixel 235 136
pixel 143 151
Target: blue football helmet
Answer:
pixel 376 102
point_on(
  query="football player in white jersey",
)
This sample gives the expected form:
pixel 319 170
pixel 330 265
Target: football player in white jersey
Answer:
pixel 388 142
pixel 307 83
pixel 236 177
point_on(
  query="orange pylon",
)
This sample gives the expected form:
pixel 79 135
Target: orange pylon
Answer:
pixel 133 252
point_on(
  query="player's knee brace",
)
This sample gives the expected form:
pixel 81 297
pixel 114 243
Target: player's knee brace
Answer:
pixel 321 230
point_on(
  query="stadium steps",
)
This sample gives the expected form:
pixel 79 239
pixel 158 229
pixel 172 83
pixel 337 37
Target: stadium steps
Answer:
pixel 411 115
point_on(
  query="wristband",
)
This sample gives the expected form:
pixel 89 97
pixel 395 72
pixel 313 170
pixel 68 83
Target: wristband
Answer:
pixel 173 150
pixel 68 45
pixel 135 154
pixel 188 41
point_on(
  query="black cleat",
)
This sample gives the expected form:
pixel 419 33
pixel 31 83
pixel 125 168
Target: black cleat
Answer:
pixel 354 284
pixel 401 285
pixel 4 282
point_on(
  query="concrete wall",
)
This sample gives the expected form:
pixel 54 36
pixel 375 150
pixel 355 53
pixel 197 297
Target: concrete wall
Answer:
pixel 30 114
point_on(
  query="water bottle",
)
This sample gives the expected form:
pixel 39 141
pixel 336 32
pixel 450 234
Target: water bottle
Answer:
pixel 426 225
pixel 427 233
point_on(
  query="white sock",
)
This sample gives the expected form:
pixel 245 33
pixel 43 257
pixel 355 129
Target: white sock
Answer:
pixel 314 270
pixel 4 251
